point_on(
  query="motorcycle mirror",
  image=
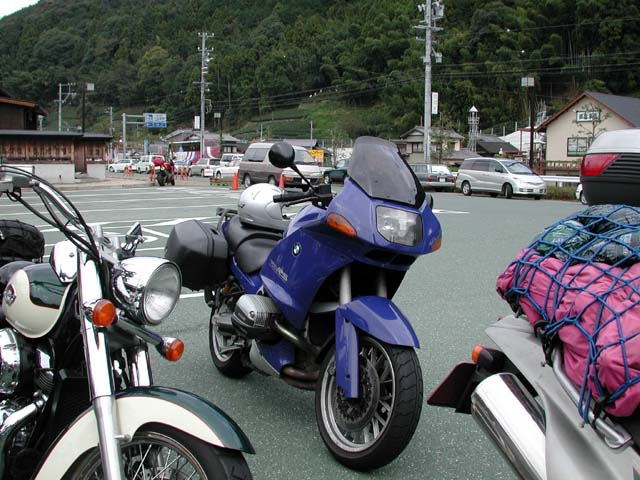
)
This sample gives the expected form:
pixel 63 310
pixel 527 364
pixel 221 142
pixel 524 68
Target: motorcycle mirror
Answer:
pixel 282 155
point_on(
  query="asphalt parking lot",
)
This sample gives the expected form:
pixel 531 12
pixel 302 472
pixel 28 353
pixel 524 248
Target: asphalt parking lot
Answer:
pixel 449 296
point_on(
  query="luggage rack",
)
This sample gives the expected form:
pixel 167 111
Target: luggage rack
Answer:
pixel 614 434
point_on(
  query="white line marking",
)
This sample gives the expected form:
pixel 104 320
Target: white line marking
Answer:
pixel 192 295
pixel 153 232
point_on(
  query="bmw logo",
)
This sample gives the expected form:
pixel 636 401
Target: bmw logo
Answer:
pixel 296 249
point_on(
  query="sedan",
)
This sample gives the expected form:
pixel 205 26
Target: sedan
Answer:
pixel 198 167
pixel 337 174
pixel 220 173
pixel 121 165
pixel 610 170
pixel 434 176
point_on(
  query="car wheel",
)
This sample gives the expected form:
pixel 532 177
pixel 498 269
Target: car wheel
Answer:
pixel 583 199
pixel 190 173
pixel 466 188
pixel 218 176
pixel 507 190
pixel 246 181
pixel 327 179
pixel 111 169
pixel 272 181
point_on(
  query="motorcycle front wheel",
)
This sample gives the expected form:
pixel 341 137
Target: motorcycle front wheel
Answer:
pixel 159 451
pixel 372 430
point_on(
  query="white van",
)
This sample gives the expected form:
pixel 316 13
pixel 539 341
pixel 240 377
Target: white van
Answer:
pixel 146 162
pixel 499 176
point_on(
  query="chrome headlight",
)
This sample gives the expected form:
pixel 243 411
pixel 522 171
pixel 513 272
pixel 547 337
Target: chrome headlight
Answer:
pixel 148 286
pixel 399 226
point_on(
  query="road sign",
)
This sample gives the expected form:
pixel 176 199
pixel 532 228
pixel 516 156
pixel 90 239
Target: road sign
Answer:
pixel 155 120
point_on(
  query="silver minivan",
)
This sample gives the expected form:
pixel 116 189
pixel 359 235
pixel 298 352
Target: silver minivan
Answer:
pixel 499 176
pixel 256 168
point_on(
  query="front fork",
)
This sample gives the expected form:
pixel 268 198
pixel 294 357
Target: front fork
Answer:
pixel 99 369
pixel 347 341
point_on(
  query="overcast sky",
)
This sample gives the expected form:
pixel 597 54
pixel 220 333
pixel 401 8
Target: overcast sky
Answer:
pixel 9 6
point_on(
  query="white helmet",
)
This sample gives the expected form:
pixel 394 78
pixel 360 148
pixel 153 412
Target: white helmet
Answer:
pixel 256 207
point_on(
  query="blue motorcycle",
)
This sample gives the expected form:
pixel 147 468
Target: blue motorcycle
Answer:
pixel 308 300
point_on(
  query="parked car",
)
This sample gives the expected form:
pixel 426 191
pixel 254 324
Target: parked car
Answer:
pixel 337 174
pixel 499 176
pixel 228 171
pixel 610 170
pixel 434 176
pixel 120 165
pixel 146 162
pixel 198 167
pixel 256 168
pixel 227 158
pixel 580 194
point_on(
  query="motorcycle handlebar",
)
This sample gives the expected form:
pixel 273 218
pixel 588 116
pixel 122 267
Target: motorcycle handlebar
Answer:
pixel 292 196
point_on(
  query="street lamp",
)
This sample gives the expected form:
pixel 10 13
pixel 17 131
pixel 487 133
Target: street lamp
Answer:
pixel 529 84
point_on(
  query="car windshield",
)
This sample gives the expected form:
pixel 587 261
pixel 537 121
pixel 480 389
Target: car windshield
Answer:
pixel 440 169
pixel 518 168
pixel 377 167
pixel 304 157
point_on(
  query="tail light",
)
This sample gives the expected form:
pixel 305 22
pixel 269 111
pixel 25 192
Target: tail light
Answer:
pixel 593 164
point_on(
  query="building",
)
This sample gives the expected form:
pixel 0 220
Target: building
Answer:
pixel 494 146
pixel 446 146
pixel 55 156
pixel 570 131
pixel 184 144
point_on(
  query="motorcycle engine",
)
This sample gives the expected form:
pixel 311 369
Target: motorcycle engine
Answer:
pixel 15 362
pixel 254 315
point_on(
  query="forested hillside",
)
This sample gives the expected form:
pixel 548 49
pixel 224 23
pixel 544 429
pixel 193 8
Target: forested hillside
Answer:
pixel 353 54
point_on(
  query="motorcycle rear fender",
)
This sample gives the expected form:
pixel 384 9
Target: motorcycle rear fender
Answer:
pixel 137 407
pixel 377 317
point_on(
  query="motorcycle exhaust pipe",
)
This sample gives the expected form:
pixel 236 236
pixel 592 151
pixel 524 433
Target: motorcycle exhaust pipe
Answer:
pixel 514 421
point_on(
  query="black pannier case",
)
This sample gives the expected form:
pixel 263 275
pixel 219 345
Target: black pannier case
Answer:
pixel 20 241
pixel 200 252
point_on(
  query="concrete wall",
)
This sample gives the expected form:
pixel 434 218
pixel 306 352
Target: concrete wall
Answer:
pixel 97 170
pixel 56 172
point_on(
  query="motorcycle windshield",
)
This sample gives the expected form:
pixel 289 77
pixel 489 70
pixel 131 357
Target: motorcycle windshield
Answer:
pixel 377 167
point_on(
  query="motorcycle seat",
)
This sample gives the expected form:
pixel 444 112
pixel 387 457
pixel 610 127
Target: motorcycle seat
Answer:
pixel 249 245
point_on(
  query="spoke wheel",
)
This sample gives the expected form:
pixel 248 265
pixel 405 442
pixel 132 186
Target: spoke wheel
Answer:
pixel 161 452
pixel 371 430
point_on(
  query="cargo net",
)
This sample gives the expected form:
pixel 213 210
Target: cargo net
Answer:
pixel 579 284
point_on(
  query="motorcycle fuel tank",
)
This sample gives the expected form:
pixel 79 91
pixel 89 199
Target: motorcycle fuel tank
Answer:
pixel 32 299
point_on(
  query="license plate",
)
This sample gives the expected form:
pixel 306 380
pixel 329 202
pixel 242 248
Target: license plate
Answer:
pixel 442 180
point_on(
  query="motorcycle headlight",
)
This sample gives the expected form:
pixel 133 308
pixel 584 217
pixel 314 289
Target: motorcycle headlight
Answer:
pixel 149 286
pixel 399 226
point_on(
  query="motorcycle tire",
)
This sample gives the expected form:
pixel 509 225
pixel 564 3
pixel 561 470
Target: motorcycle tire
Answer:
pixel 161 445
pixel 229 364
pixel 160 180
pixel 359 434
pixel 173 182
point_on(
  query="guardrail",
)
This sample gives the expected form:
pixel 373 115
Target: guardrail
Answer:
pixel 560 180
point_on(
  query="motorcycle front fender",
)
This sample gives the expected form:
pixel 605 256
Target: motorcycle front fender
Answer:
pixel 379 318
pixel 140 406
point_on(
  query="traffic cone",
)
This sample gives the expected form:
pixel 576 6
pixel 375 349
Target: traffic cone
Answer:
pixel 281 184
pixel 152 176
pixel 234 182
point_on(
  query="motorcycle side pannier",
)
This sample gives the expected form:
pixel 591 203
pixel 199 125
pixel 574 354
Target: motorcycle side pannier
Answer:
pixel 20 241
pixel 200 252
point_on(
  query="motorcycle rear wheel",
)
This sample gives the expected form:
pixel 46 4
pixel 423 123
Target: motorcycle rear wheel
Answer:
pixel 159 451
pixel 372 430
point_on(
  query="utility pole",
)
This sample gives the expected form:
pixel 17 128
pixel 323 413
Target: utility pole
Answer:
pixel 204 69
pixel 433 10
pixel 61 100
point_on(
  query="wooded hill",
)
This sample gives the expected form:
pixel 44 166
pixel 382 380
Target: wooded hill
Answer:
pixel 353 63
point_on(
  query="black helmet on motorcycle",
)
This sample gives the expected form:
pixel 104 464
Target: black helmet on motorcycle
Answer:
pixel 256 207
